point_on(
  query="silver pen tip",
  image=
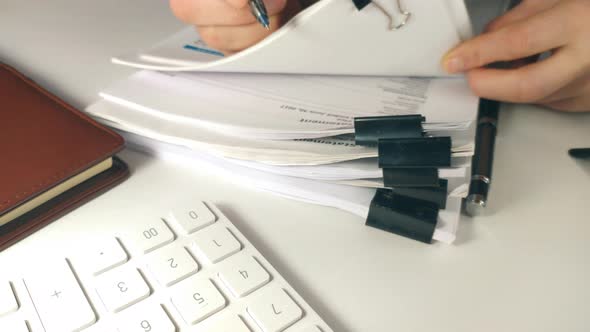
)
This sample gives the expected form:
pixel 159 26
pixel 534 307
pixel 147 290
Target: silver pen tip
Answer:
pixel 475 205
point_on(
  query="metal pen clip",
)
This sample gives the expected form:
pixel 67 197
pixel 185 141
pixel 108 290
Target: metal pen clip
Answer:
pixel 406 15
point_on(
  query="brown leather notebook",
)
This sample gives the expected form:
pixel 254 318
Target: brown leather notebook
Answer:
pixel 53 157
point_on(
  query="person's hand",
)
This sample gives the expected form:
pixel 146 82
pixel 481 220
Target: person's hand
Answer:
pixel 561 81
pixel 228 25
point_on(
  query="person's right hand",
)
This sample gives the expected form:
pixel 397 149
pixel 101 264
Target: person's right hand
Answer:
pixel 228 25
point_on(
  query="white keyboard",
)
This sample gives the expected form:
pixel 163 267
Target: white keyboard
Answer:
pixel 189 270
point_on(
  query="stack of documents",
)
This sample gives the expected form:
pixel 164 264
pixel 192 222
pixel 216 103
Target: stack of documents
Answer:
pixel 291 135
pixel 282 139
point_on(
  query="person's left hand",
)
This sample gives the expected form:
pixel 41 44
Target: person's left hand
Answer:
pixel 561 81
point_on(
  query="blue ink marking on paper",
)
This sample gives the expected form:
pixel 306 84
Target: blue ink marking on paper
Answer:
pixel 203 50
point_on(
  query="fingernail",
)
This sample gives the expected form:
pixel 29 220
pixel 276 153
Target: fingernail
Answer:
pixel 454 65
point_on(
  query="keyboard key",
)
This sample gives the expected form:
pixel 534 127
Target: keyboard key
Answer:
pixel 151 235
pixel 242 275
pixel 13 325
pixel 192 217
pixel 145 317
pixel 171 264
pixel 274 311
pixel 216 243
pixel 102 256
pixel 121 288
pixel 58 298
pixel 229 323
pixel 8 301
pixel 196 299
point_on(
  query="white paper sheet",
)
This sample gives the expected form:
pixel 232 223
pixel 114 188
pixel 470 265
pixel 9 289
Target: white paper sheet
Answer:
pixel 331 37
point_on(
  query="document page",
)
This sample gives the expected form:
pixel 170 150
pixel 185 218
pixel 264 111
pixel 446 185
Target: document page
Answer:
pixel 307 45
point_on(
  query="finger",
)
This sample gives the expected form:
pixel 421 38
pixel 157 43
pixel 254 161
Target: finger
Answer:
pixel 580 86
pixel 217 12
pixel 524 10
pixel 537 34
pixel 576 104
pixel 231 39
pixel 529 83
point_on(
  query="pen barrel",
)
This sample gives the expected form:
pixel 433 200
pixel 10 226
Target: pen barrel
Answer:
pixel 258 9
pixel 483 158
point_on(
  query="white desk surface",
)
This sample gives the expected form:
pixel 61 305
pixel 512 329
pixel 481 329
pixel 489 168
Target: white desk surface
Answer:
pixel 524 268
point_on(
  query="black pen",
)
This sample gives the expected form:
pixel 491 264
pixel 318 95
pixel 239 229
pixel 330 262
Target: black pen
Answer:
pixel 580 153
pixel 481 176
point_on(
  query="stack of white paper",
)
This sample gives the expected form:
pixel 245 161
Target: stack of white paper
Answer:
pixel 349 198
pixel 288 128
pixel 293 135
pixel 154 111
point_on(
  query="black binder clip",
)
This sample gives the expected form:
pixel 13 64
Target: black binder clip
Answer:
pixel 426 152
pixel 369 130
pixel 410 162
pixel 403 215
pixel 435 194
pixel 410 177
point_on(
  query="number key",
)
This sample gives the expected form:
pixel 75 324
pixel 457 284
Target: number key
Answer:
pixel 216 243
pixel 152 235
pixel 145 317
pixel 196 299
pixel 274 310
pixel 171 264
pixel 192 217
pixel 242 274
pixel 121 288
